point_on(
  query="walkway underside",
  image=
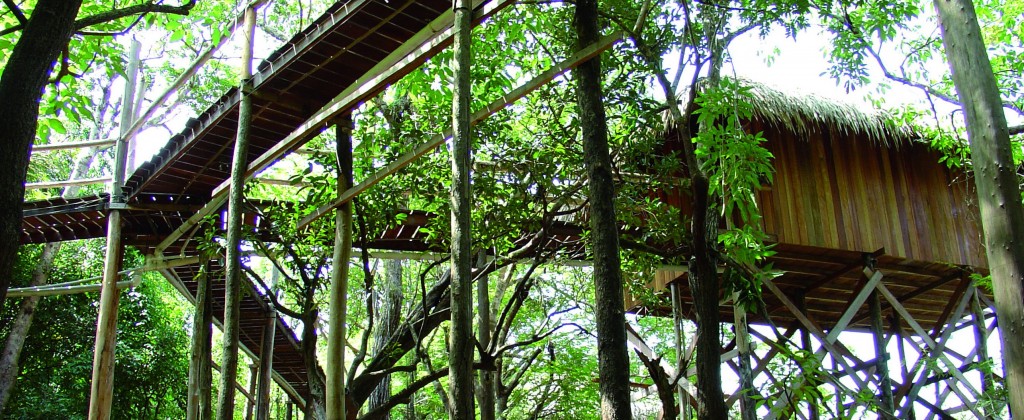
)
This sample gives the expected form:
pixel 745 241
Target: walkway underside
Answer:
pixel 821 293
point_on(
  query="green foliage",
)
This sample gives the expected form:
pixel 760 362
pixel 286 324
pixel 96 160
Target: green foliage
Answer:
pixel 736 163
pixel 56 362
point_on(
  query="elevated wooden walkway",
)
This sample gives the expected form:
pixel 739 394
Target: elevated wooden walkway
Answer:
pixel 346 56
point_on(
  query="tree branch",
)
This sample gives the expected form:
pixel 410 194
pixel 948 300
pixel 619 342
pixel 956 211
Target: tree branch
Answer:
pixel 16 11
pixel 403 396
pixel 138 9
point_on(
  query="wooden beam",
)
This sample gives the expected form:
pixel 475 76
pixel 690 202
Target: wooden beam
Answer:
pixel 827 341
pixel 67 183
pixel 74 145
pixel 409 54
pixel 930 343
pixel 192 69
pixel 476 117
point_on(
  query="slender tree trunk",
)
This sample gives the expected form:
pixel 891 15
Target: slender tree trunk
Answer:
pixel 995 174
pixel 23 320
pixel 613 357
pixel 21 87
pixel 200 369
pixel 389 308
pixel 460 352
pixel 335 398
pixel 316 400
pixel 485 378
pixel 19 329
pixel 233 278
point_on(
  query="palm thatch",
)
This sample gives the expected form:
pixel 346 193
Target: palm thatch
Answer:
pixel 808 114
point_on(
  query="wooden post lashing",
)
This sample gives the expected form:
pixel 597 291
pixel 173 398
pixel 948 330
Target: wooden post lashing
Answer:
pixel 233 280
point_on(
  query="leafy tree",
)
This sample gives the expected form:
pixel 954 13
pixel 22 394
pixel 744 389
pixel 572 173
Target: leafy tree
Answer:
pixel 44 35
pixel 999 196
pixel 152 346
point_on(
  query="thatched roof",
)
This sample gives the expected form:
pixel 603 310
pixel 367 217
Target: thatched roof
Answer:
pixel 807 114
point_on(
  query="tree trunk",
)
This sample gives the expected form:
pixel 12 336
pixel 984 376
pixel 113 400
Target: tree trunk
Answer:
pixel 23 320
pixel 613 357
pixel 1002 214
pixel 389 308
pixel 485 377
pixel 460 352
pixel 315 402
pixel 233 271
pixel 335 392
pixel 200 368
pixel 21 86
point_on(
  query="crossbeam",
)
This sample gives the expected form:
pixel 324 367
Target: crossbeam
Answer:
pixel 74 145
pixel 423 44
pixel 492 108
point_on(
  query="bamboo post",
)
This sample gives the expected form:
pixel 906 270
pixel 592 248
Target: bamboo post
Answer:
pixel 102 388
pixel 680 336
pixel 746 391
pixel 233 286
pixel 266 367
pixel 335 393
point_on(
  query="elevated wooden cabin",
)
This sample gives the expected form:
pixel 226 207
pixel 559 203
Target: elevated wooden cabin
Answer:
pixel 850 185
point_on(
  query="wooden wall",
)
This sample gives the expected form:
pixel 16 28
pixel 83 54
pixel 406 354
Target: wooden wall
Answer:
pixel 844 192
pixel 847 193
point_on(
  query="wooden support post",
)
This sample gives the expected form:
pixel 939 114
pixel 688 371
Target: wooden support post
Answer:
pixel 746 391
pixel 936 348
pixel 102 389
pixel 902 349
pixel 251 403
pixel 128 108
pixel 106 326
pixel 335 392
pixel 881 356
pixel 200 370
pixel 266 367
pixel 805 342
pixel 981 343
pixel 877 330
pixel 460 370
pixel 233 269
pixel 680 335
